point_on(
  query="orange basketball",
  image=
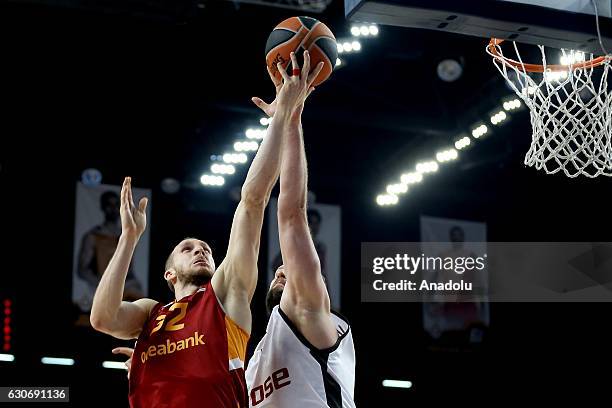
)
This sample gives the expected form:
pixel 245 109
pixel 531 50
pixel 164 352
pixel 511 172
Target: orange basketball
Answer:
pixel 298 34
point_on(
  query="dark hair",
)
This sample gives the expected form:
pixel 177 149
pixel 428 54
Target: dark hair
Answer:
pixel 273 297
pixel 106 196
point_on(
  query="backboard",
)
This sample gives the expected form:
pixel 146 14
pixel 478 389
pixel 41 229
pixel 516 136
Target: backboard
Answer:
pixel 568 24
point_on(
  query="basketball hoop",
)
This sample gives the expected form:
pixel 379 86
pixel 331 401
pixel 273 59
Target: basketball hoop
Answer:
pixel 570 107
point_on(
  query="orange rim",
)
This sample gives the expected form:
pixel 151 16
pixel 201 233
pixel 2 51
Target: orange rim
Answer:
pixel 537 67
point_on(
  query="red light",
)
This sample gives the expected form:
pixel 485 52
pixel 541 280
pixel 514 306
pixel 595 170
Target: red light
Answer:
pixel 7 303
pixel 7 330
pixel 7 320
pixel 7 311
pixel 7 338
pixel 7 347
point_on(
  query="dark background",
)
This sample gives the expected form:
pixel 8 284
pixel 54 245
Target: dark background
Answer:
pixel 152 89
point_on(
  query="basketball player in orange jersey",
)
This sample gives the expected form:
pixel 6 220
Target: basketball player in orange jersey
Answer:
pixel 190 353
pixel 306 359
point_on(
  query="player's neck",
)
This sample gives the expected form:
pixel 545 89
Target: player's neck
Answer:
pixel 181 291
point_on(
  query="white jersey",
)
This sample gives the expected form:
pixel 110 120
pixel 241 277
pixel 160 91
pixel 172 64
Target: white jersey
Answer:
pixel 287 371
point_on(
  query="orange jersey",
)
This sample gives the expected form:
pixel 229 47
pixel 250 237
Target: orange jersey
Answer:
pixel 189 354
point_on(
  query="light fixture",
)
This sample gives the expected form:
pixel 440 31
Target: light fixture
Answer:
pixel 411 178
pixel 397 384
pixel 449 70
pixel 114 364
pixel 57 361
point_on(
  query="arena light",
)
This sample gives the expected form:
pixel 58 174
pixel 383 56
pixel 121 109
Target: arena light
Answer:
pixel 530 90
pixel 251 133
pixel 498 117
pixel 571 57
pixel 57 361
pixel 373 30
pixel 210 180
pixel 512 104
pixel 480 131
pixel 397 189
pixel 234 158
pixel 449 70
pixel 397 384
pixel 355 32
pixel 264 121
pixel 447 155
pixel 427 167
pixel 338 62
pixel 555 76
pixel 7 357
pixel 248 146
pixel 118 365
pixel 386 199
pixel 462 143
pixel 411 178
pixel 364 30
pixel 222 168
pixel 463 140
pixel 347 46
pixel 356 45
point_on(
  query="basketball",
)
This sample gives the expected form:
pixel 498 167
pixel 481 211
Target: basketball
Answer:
pixel 298 34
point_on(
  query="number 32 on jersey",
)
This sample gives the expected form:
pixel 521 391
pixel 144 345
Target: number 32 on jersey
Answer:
pixel 173 324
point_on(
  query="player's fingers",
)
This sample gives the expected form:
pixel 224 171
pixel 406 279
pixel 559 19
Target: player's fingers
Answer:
pixel 259 103
pixel 306 67
pixel 282 71
pixel 310 91
pixel 142 205
pixel 129 192
pixel 124 192
pixel 127 351
pixel 275 80
pixel 315 73
pixel 294 63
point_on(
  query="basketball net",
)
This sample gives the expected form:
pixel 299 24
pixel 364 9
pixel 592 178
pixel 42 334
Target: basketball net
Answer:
pixel 570 108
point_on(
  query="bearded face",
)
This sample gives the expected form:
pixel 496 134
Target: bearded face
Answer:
pixel 275 291
pixel 192 262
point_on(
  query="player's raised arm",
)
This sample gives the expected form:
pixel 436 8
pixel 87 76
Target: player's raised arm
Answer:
pixel 305 290
pixel 236 278
pixel 109 314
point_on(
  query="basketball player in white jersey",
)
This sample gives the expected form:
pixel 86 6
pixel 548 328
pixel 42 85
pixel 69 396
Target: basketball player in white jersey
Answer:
pixel 306 358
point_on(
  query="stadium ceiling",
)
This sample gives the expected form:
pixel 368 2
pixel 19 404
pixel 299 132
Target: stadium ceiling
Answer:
pixel 310 6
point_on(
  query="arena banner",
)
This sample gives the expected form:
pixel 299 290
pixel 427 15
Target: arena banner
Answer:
pixel 324 222
pixel 97 229
pixel 454 239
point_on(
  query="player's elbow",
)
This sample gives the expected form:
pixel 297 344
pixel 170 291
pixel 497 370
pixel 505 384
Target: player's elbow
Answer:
pixel 98 323
pixel 254 196
pixel 291 213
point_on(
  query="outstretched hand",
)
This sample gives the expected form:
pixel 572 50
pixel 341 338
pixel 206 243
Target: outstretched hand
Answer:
pixel 127 351
pixel 293 90
pixel 133 219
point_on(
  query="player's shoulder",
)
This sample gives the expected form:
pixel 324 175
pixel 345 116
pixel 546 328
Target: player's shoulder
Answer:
pixel 147 305
pixel 340 323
